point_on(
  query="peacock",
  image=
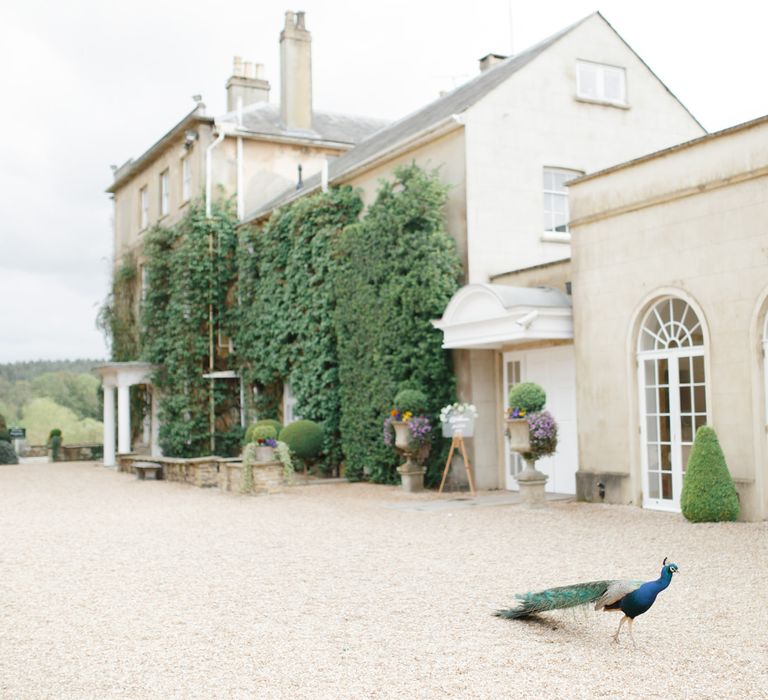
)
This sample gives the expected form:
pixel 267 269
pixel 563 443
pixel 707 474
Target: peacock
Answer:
pixel 633 598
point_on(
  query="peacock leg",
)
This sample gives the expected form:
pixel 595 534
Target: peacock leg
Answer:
pixel 615 637
pixel 632 636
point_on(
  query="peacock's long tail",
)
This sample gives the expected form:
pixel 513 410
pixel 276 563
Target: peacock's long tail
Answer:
pixel 555 599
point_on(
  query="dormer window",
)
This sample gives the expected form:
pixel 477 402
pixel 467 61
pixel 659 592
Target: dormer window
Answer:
pixel 597 82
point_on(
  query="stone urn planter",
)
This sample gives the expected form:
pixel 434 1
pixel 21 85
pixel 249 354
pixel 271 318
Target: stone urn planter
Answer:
pixel 530 481
pixel 265 453
pixel 519 434
pixel 411 473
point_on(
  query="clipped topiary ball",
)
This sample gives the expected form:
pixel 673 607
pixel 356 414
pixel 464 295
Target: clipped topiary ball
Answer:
pixel 411 400
pixel 276 424
pixel 304 437
pixel 527 396
pixel 708 492
pixel 7 453
pixel 262 432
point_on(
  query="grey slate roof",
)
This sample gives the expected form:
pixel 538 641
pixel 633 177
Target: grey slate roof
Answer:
pixel 454 102
pixel 264 118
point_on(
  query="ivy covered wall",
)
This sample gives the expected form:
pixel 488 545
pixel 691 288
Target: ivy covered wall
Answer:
pixel 398 270
pixel 190 271
pixel 287 298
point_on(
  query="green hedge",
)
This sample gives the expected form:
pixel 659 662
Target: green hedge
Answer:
pixel 708 492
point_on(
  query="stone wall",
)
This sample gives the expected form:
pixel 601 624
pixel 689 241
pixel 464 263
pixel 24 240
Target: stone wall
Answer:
pixel 211 472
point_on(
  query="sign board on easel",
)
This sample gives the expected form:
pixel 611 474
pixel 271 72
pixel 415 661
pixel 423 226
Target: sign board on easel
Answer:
pixel 459 424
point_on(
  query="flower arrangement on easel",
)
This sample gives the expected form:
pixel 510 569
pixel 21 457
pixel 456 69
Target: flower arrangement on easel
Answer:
pixel 458 420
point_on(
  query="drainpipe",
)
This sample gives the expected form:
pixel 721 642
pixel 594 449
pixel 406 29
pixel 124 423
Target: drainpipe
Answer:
pixel 240 193
pixel 208 211
pixel 209 169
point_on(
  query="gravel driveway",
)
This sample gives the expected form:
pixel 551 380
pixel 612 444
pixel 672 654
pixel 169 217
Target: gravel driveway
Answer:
pixel 116 588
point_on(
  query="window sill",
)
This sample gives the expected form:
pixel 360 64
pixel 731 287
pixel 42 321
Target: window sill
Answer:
pixel 555 237
pixel 604 103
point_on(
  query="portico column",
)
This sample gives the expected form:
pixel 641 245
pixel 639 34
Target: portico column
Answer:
pixel 109 426
pixel 123 419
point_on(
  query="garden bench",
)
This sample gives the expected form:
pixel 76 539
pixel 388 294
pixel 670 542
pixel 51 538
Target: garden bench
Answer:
pixel 147 469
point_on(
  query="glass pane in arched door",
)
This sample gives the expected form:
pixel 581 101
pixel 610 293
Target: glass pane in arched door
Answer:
pixel 672 397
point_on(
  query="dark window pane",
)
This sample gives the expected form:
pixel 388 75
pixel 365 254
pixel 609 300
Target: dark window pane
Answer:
pixel 698 369
pixel 685 399
pixel 666 486
pixel 666 457
pixel 664 428
pixel 699 399
pixel 686 424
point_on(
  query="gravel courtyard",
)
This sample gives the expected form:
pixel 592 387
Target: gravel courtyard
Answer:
pixel 116 588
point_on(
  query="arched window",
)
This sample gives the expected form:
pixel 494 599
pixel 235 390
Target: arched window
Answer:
pixel 673 396
pixel 671 323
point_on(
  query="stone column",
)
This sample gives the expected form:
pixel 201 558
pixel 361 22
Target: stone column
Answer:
pixel 109 426
pixel 123 419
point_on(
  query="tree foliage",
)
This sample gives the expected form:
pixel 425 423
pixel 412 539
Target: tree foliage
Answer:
pixel 190 270
pixel 708 493
pixel 398 270
pixel 286 329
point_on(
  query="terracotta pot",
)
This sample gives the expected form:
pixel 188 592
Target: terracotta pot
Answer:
pixel 519 434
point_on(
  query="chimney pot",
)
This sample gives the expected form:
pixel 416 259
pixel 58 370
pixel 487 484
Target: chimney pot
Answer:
pixel 245 86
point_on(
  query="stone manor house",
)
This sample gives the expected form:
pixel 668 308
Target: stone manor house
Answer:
pixel 632 287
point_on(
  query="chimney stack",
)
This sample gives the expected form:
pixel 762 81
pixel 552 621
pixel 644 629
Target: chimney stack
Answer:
pixel 490 60
pixel 295 73
pixel 247 82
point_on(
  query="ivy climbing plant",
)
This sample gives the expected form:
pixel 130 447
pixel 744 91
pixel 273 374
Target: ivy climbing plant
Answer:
pixel 286 294
pixel 190 273
pixel 398 268
pixel 117 317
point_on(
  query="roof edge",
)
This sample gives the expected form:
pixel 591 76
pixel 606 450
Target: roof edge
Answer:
pixel 154 150
pixel 743 126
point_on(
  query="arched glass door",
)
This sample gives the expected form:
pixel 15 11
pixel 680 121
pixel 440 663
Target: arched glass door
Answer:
pixel 673 397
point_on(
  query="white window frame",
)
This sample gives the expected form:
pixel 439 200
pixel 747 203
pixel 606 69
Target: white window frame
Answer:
pixel 143 208
pixel 550 234
pixel 165 193
pixel 601 72
pixel 186 179
pixel 673 342
pixel 289 405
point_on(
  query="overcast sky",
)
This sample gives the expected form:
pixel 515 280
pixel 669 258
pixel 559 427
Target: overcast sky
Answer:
pixel 85 84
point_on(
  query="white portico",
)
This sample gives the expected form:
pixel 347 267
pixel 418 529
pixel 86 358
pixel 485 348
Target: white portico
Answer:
pixel 504 335
pixel 121 376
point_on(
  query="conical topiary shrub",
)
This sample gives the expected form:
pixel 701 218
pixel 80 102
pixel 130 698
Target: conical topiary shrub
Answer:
pixel 708 492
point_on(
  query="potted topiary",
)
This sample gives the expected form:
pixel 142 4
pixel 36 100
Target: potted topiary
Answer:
pixel 409 429
pixel 524 398
pixel 265 439
pixel 533 433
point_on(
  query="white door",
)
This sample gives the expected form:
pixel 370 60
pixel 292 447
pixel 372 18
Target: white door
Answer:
pixel 554 369
pixel 673 398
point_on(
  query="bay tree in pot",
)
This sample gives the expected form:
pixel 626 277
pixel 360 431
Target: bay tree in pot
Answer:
pixel 410 431
pixel 532 433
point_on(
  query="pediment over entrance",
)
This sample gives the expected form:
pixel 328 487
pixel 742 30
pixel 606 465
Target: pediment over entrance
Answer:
pixel 493 315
